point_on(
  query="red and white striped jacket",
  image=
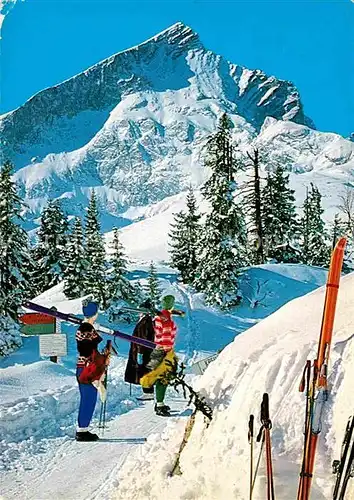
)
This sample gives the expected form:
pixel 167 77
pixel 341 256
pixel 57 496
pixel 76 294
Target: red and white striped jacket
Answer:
pixel 165 330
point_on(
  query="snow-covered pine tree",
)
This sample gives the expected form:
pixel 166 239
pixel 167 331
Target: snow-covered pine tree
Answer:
pixel 120 292
pixel 75 262
pixel 96 280
pixel 224 238
pixel 119 287
pixel 184 240
pixel 339 228
pixel 153 291
pixel 14 261
pixel 314 247
pixel 279 219
pixel 49 253
pixel 252 199
pixel 346 208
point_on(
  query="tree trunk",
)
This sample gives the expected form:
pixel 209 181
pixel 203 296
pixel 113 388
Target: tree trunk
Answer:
pixel 258 210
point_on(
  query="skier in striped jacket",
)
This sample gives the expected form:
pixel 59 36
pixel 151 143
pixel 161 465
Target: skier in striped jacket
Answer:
pixel 165 335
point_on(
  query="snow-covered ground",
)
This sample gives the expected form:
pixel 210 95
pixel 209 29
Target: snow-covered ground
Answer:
pixel 269 357
pixel 39 399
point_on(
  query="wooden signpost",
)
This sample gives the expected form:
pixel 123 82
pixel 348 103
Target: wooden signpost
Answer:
pixel 51 342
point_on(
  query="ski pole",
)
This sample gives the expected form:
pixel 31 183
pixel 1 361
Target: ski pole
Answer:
pixel 250 441
pixel 267 425
pixel 102 422
pixel 349 472
pixel 259 438
pixel 339 465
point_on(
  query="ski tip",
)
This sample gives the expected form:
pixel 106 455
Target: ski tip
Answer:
pixel 341 243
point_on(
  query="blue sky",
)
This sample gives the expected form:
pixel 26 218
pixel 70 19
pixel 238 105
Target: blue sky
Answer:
pixel 310 42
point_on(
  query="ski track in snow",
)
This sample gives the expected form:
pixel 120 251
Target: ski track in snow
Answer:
pixel 73 471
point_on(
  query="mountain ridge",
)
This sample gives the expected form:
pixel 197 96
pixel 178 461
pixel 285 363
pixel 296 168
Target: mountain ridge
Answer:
pixel 158 64
pixel 135 124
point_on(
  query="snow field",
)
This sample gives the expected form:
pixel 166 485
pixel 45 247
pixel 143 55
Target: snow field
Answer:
pixel 27 422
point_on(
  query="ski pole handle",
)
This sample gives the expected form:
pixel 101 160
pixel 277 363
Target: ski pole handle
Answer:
pixel 305 376
pixel 250 428
pixel 265 408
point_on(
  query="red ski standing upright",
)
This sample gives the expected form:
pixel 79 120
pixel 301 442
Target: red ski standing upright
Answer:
pixel 318 389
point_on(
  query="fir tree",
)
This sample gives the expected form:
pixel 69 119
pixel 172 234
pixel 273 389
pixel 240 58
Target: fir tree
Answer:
pixel 314 248
pixel 119 287
pixel 184 240
pixel 14 247
pixel 95 283
pixel 346 227
pixel 223 244
pixel 49 253
pixel 346 208
pixel 253 201
pixel 75 262
pixel 153 291
pixel 338 229
pixel 280 225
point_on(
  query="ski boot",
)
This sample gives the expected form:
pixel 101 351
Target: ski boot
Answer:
pixel 86 436
pixel 162 411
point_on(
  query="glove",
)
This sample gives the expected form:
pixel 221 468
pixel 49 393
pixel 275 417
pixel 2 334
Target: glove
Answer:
pixel 140 359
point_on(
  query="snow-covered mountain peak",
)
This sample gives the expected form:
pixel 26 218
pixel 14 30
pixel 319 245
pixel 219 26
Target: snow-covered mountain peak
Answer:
pixel 178 34
pixel 134 125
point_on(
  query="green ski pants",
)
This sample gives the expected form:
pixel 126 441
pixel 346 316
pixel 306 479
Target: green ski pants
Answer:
pixel 160 391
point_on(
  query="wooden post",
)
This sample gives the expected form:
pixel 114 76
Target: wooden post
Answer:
pixel 54 359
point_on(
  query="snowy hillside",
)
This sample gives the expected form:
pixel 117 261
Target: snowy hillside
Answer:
pixel 38 400
pixel 269 357
pixel 145 236
pixel 134 127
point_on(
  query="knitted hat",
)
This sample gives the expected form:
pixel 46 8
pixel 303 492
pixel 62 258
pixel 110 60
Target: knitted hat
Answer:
pixel 89 309
pixel 168 302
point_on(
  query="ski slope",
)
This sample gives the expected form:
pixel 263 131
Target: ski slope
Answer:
pixel 269 357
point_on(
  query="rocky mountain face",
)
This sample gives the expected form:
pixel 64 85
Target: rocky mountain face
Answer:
pixel 134 125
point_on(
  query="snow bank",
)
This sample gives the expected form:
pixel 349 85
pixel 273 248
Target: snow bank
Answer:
pixel 269 357
pixel 41 402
